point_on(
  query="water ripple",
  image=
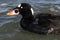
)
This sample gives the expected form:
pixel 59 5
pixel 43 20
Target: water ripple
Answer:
pixel 10 35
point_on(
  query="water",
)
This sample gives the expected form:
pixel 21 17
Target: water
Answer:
pixel 9 25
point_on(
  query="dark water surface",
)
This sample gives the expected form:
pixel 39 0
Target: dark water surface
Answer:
pixel 9 25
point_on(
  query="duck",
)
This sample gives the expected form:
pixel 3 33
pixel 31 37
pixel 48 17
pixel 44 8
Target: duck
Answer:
pixel 37 24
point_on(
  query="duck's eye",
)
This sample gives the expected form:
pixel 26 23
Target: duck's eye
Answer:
pixel 16 10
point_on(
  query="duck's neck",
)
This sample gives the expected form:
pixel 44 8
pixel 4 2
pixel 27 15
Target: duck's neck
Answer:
pixel 27 16
pixel 26 13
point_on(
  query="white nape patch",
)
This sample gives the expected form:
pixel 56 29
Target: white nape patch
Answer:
pixel 32 11
pixel 15 13
pixel 19 5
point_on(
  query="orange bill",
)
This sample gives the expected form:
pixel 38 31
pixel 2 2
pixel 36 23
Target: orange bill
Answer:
pixel 10 13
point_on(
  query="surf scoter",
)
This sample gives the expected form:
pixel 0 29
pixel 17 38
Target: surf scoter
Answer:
pixel 37 24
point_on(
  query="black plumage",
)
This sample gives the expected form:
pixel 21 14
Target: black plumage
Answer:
pixel 39 23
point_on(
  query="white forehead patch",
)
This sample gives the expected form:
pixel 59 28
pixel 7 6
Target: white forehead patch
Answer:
pixel 32 11
pixel 19 5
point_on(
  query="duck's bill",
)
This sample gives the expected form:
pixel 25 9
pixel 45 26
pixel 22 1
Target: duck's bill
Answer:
pixel 12 12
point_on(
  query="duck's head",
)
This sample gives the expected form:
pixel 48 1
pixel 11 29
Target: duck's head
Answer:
pixel 22 9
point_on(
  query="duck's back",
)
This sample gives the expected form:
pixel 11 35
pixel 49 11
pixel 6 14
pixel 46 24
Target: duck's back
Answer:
pixel 44 19
pixel 39 24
